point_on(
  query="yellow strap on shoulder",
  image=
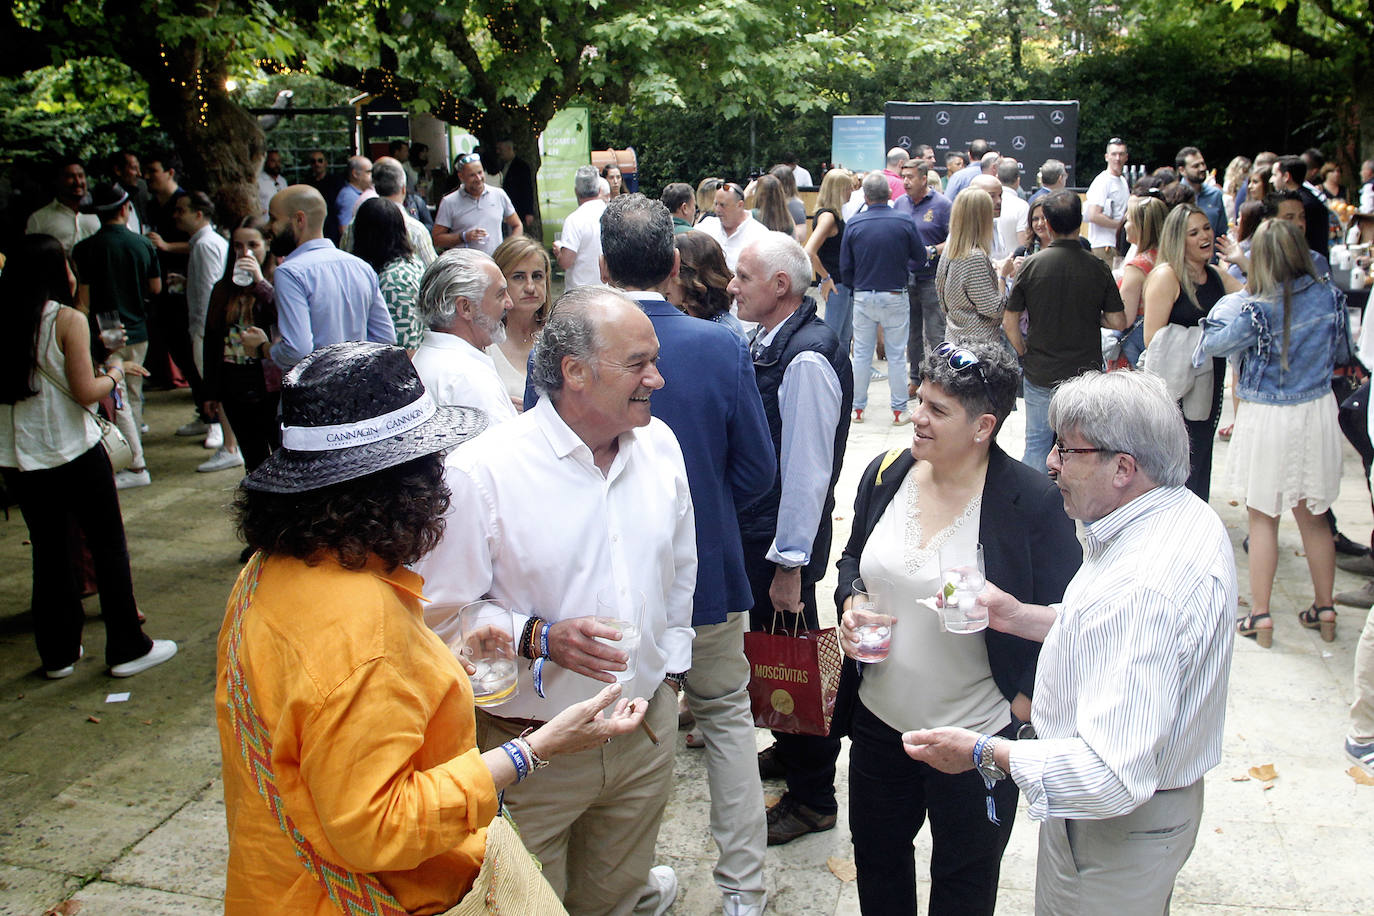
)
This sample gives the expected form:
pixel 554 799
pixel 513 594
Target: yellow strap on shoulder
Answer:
pixel 887 463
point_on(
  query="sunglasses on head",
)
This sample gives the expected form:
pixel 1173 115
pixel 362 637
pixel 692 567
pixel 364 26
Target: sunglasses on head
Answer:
pixel 467 158
pixel 962 359
pixel 734 188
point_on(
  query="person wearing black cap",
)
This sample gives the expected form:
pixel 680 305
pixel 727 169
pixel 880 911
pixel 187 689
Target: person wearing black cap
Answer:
pixel 346 726
pixel 118 271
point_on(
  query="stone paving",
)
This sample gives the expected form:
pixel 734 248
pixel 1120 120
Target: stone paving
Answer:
pixel 118 805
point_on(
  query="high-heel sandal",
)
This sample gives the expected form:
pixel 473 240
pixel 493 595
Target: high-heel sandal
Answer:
pixel 1313 620
pixel 1245 626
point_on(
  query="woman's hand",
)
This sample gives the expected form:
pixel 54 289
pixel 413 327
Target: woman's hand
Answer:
pixel 826 288
pixel 251 265
pixel 854 618
pixel 253 337
pixel 582 725
pixel 134 369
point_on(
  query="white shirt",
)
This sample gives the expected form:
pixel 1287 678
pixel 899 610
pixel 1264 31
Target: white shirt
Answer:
pixel 63 224
pixel 809 399
pixel 1110 192
pixel 803 177
pixel 204 267
pixel 268 187
pixel 853 205
pixel 732 243
pixel 458 374
pixel 536 526
pixel 1015 219
pixel 1130 692
pixel 582 234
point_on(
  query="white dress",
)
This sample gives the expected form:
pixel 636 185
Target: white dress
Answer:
pixel 1282 454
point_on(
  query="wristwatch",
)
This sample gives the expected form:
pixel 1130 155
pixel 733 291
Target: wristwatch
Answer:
pixel 987 766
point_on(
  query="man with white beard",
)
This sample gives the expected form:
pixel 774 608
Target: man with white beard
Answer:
pixel 463 299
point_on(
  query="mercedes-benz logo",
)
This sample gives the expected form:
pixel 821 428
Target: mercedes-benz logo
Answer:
pixel 1018 142
pixel 1056 117
pixel 904 142
pixel 942 118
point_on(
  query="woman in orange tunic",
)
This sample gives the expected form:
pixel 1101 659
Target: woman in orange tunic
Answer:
pixel 346 726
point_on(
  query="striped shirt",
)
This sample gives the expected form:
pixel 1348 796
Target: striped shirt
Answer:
pixel 1130 693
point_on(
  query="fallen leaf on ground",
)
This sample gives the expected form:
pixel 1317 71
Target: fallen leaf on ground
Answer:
pixel 93 719
pixel 1265 772
pixel 1360 776
pixel 1299 553
pixel 1267 786
pixel 843 869
pixel 1242 602
pixel 1233 502
pixel 65 908
pixel 1218 830
pixel 1240 778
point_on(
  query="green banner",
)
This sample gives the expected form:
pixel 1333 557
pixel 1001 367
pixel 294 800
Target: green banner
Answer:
pixel 564 146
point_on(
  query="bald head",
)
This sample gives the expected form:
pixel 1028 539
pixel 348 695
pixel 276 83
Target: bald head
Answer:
pixel 895 157
pixel 303 199
pixel 990 184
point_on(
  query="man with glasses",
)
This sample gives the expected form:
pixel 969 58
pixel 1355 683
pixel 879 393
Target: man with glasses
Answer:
pixel 472 215
pixel 1106 201
pixel 1130 692
pixel 734 227
pixel 1069 295
pixel 1192 171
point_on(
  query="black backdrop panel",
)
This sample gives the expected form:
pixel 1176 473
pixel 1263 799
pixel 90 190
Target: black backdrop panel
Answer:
pixel 1031 132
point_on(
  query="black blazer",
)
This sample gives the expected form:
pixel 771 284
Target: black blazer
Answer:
pixel 1030 550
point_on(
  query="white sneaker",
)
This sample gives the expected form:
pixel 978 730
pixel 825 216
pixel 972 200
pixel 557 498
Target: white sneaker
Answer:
pixel 143 429
pixel 221 460
pixel 214 436
pixel 663 884
pixel 128 480
pixel 162 650
pixel 58 674
pixel 735 905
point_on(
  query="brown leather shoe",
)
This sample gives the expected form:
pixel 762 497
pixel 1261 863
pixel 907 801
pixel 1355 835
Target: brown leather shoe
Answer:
pixel 789 819
pixel 770 764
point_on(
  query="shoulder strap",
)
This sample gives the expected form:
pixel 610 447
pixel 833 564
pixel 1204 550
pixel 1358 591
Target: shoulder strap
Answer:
pixel 890 457
pixel 353 894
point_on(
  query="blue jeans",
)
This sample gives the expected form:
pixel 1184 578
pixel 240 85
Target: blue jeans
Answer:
pixel 1133 342
pixel 839 314
pixel 893 312
pixel 1039 436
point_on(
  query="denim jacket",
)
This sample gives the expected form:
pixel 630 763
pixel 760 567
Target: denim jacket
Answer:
pixel 1252 328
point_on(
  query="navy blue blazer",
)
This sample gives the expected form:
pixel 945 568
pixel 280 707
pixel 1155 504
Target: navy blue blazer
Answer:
pixel 711 403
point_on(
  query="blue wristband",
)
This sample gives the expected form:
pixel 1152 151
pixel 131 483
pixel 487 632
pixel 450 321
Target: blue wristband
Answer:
pixel 517 759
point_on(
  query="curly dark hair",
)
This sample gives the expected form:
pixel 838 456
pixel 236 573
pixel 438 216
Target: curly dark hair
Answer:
pixel 396 514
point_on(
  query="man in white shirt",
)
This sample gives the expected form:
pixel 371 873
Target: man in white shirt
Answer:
pixel 1130 692
pixel 579 249
pixel 472 216
pixel 806 381
pixel 1106 200
pixel 576 511
pixel 463 299
pixel 1013 225
pixel 270 179
pixel 993 187
pixel 734 227
pixel 62 218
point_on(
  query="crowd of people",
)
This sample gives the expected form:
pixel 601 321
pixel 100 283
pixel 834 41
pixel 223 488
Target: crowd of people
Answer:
pixel 644 468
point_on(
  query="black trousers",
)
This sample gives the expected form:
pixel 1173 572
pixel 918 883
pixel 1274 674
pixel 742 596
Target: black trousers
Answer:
pixel 809 759
pixel 175 325
pixel 252 411
pixel 891 796
pixel 58 504
pixel 1202 437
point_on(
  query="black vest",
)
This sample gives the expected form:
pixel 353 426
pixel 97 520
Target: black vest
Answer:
pixel 802 331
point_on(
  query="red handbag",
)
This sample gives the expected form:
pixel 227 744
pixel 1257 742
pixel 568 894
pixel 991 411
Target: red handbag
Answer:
pixel 793 678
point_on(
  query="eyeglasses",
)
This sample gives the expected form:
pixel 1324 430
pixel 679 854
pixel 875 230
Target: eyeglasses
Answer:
pixel 962 359
pixel 1062 451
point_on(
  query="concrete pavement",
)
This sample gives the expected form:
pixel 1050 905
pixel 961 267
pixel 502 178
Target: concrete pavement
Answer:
pixel 124 814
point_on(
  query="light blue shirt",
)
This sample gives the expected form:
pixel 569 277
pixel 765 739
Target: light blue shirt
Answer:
pixel 325 296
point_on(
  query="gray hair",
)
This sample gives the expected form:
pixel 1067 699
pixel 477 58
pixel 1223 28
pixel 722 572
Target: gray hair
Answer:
pixel 1051 172
pixel 778 251
pixel 1008 171
pixel 387 177
pixel 637 241
pixel 1128 412
pixel 876 188
pixel 584 182
pixel 456 272
pixel 571 331
pixel 996 366
pixel 989 162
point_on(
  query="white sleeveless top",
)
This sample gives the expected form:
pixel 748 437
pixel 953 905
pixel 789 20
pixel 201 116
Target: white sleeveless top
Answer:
pixel 930 677
pixel 48 429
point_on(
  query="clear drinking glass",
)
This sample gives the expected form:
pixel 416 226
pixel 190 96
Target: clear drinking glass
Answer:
pixel 488 642
pixel 624 612
pixel 962 578
pixel 111 330
pixel 871 597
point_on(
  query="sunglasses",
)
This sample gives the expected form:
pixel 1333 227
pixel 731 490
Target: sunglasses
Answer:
pixel 736 189
pixel 962 359
pixel 467 158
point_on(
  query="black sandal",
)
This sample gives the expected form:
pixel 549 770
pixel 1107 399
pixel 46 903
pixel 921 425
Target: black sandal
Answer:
pixel 1312 619
pixel 1245 626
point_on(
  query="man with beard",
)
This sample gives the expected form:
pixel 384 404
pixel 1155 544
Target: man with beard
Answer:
pixel 463 299
pixel 270 179
pixel 324 295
